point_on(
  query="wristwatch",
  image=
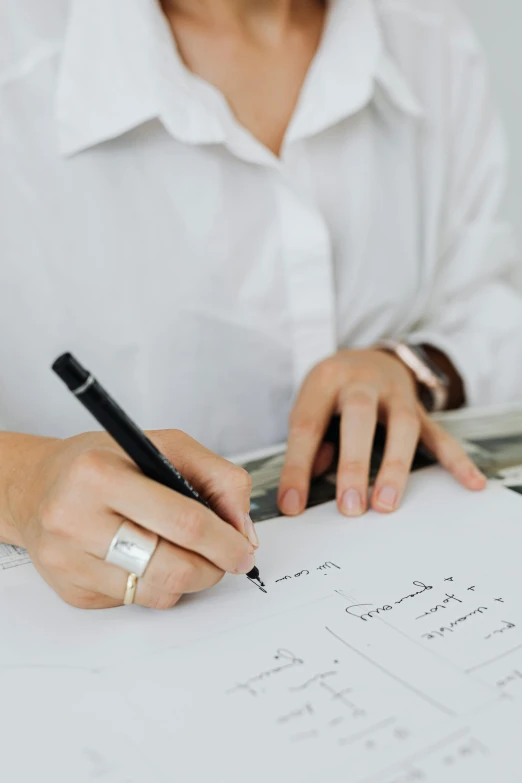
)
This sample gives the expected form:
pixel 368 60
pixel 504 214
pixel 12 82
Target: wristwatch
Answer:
pixel 433 383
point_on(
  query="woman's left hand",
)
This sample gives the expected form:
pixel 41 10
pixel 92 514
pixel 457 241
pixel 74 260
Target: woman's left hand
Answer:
pixel 364 387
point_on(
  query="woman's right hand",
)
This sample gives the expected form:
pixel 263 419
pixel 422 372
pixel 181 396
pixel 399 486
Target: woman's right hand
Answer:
pixel 66 500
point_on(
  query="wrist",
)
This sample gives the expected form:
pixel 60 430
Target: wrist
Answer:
pixel 20 474
pixel 438 385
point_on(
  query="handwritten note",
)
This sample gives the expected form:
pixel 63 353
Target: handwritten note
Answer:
pixel 381 650
pixel 310 690
pixel 456 609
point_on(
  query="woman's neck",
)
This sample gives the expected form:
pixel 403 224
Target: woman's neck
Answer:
pixel 255 52
pixel 271 16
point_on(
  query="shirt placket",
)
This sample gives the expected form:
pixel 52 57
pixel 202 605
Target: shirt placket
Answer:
pixel 306 251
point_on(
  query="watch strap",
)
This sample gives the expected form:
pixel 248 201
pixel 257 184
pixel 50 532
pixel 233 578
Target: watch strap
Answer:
pixel 430 378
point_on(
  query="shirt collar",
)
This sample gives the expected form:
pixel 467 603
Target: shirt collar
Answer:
pixel 389 77
pixel 121 69
pixel 351 62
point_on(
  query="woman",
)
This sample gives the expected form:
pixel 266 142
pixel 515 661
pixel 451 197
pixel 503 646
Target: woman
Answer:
pixel 223 206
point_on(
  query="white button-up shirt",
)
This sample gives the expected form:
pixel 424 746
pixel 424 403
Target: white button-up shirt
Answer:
pixel 199 276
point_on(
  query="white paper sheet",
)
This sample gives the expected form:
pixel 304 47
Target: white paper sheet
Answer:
pixel 384 646
pixel 60 726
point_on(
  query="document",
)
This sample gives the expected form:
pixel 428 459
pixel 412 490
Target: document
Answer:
pixel 57 726
pixel 381 650
pixel 492 436
pixel 12 556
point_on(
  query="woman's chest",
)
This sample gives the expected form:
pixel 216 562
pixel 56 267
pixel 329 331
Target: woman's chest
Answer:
pixel 148 253
pixel 145 224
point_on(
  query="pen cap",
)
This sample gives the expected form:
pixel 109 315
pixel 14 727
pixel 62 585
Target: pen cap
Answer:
pixel 70 371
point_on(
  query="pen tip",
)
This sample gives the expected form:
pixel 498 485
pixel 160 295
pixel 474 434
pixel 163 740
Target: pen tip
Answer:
pixel 254 575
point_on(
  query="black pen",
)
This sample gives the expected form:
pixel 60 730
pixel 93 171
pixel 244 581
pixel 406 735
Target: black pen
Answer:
pixel 132 440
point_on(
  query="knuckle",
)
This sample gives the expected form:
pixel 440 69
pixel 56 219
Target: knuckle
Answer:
pixel 82 599
pixel 370 375
pixel 438 433
pixel 177 580
pixel 447 448
pixel 458 464
pixel 192 525
pixel 219 574
pixel 56 518
pixel 174 434
pixel 180 438
pixel 88 467
pixel 162 601
pixel 407 419
pixel 305 424
pixel 293 476
pixel 355 469
pixel 396 466
pixel 52 558
pixel 326 372
pixel 166 439
pixel 242 477
pixel 360 400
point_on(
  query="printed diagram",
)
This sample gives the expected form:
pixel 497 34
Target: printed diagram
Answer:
pixel 12 556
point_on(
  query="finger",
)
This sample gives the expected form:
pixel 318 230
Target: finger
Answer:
pixel 402 436
pixel 173 570
pixel 226 487
pixel 308 423
pixel 106 476
pixel 451 455
pixel 80 598
pixel 179 520
pixel 171 573
pixel 323 459
pixel 59 580
pixel 358 423
pixel 104 584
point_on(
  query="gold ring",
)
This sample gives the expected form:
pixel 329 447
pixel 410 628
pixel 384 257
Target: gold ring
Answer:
pixel 130 592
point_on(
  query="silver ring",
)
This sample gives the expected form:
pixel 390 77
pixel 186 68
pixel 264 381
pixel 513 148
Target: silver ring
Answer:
pixel 132 548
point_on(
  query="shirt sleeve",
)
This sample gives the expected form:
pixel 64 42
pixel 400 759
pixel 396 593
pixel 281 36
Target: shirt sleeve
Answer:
pixel 475 312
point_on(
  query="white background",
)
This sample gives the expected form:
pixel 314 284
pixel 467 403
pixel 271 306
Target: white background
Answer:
pixel 498 24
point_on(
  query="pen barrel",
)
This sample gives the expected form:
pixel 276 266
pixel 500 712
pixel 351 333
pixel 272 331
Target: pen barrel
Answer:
pixel 133 441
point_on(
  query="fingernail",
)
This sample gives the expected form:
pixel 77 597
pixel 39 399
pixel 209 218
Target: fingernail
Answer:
pixel 351 503
pixel 477 476
pixel 291 502
pixel 387 498
pixel 246 565
pixel 251 531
